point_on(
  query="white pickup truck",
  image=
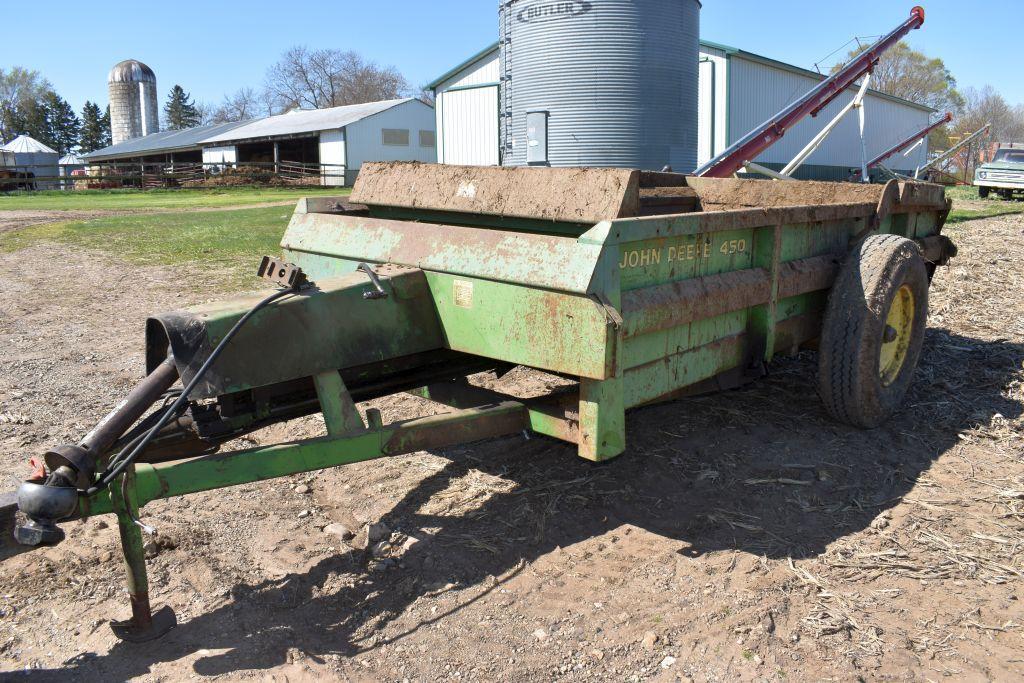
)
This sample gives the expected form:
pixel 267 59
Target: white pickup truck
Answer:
pixel 1004 174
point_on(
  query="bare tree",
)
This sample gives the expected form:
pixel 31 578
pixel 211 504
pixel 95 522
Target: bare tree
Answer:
pixel 244 104
pixel 330 78
pixel 988 106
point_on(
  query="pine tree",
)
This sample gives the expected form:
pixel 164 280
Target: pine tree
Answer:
pixel 62 123
pixel 92 135
pixel 108 135
pixel 180 112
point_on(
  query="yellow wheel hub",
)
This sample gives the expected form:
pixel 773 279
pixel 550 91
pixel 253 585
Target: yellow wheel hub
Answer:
pixel 899 327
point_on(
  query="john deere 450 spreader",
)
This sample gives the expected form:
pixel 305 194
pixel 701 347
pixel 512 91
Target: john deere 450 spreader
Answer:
pixel 638 287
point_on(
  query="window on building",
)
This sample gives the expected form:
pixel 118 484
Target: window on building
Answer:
pixel 428 138
pixel 398 137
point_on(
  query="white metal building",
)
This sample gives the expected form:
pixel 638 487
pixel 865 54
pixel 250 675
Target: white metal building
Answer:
pixel 738 91
pixel 338 139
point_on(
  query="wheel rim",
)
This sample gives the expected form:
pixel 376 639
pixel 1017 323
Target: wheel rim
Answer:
pixel 899 327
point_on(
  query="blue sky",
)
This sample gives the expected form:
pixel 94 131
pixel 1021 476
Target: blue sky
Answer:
pixel 215 47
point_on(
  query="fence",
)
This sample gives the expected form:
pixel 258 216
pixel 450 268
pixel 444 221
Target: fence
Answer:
pixel 154 175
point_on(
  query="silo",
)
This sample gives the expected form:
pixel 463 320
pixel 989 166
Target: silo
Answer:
pixel 599 83
pixel 133 101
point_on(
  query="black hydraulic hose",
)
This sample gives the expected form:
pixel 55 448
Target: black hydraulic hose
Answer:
pixel 135 448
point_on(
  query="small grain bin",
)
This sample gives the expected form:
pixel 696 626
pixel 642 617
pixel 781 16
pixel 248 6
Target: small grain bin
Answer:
pixel 32 156
pixel 599 83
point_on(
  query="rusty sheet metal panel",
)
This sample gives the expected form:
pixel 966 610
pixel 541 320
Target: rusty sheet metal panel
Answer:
pixel 574 195
pixel 677 303
pixel 333 244
pixel 667 375
pixel 330 327
pixel 530 326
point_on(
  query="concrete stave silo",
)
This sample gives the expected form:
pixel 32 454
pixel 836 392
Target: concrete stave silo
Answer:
pixel 134 112
pixel 599 83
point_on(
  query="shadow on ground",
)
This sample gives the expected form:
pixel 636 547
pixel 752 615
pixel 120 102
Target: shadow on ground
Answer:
pixel 691 476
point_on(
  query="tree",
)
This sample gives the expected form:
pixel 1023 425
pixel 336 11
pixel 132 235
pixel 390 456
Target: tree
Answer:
pixel 108 133
pixel 988 106
pixel 180 112
pixel 243 105
pixel 93 134
pixel 330 78
pixel 20 88
pixel 29 118
pixel 912 75
pixel 62 123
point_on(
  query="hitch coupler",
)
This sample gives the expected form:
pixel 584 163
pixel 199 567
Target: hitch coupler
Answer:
pixel 73 467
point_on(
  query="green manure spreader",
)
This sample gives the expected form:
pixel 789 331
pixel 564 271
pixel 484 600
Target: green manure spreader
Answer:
pixel 637 287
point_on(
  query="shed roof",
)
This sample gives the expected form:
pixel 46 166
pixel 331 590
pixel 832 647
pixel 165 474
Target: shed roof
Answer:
pixel 23 144
pixel 305 121
pixel 293 123
pixel 165 141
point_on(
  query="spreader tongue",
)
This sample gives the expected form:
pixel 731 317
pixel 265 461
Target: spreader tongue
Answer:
pixel 72 467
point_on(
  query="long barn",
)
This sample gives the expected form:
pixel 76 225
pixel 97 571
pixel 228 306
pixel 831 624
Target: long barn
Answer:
pixel 337 140
pixel 738 90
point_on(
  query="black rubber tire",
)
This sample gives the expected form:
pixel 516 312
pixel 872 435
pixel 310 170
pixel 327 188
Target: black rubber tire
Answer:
pixel 983 192
pixel 849 381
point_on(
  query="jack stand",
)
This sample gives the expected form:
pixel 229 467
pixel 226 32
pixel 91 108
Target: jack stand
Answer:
pixel 144 624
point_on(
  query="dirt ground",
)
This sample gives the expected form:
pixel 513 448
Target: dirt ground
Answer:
pixel 744 536
pixel 14 220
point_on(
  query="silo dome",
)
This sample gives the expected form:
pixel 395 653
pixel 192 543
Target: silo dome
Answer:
pixel 131 71
pixel 134 112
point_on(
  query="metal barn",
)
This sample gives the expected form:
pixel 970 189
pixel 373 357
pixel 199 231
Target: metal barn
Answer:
pixel 737 91
pixel 334 142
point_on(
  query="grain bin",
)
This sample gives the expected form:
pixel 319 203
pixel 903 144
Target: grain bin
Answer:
pixel 133 105
pixel 34 158
pixel 599 83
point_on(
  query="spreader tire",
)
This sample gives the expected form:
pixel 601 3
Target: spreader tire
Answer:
pixel 873 331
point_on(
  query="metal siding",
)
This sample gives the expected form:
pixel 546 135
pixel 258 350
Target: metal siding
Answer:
pixel 332 151
pixel 469 121
pixel 482 72
pixel 226 154
pixel 363 139
pixel 619 80
pixel 470 137
pixel 760 91
pixel 713 98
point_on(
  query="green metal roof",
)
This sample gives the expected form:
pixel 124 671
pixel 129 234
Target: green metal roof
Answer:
pixel 727 49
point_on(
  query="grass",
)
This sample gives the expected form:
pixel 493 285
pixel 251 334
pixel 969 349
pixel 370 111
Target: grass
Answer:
pixel 226 243
pixel 133 200
pixel 997 208
pixel 969 206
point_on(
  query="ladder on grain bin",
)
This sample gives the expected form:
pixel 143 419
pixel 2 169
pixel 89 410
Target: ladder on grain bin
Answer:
pixel 741 154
